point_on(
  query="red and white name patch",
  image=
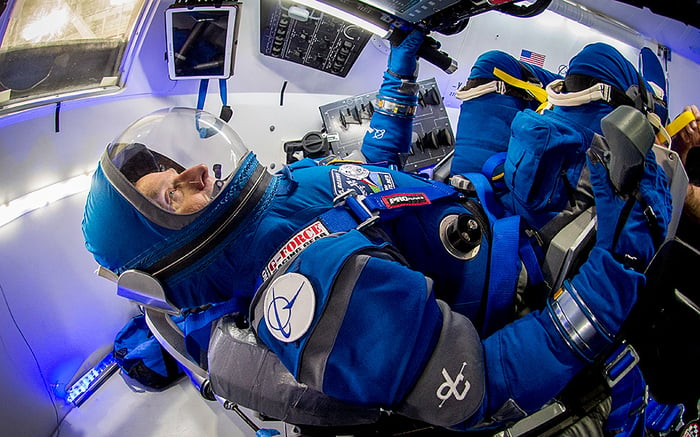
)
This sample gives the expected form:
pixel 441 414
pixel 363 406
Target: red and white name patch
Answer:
pixel 299 241
pixel 405 199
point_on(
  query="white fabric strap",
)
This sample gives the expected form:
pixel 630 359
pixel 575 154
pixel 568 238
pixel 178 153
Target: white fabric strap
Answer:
pixel 659 92
pixel 661 131
pixel 495 86
pixel 599 91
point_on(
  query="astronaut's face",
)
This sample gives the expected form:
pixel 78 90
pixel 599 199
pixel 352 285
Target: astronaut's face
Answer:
pixel 182 193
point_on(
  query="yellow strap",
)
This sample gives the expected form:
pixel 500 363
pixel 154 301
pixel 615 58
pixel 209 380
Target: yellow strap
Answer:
pixel 683 120
pixel 543 106
pixel 535 91
pixel 680 122
pixel 342 161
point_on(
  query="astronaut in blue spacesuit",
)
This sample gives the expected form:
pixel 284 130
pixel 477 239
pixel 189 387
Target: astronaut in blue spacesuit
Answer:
pixel 533 133
pixel 490 100
pixel 536 166
pixel 598 80
pixel 368 283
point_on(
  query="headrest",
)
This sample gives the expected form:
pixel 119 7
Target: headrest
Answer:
pixel 485 63
pixel 601 63
pixel 606 64
pixel 499 72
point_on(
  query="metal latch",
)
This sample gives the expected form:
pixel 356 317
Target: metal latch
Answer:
pixel 355 204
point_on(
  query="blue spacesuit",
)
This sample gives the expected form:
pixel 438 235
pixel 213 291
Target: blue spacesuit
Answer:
pixel 368 283
pixel 489 105
pixel 543 153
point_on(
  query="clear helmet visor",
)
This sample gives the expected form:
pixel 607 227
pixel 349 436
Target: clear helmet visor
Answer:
pixel 178 158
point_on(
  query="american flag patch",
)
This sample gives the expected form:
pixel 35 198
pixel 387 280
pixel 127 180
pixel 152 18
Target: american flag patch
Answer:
pixel 532 58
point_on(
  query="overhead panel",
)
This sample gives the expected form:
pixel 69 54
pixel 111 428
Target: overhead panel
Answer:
pixel 309 37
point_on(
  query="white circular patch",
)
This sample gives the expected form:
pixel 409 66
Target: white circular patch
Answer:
pixel 289 307
pixel 353 171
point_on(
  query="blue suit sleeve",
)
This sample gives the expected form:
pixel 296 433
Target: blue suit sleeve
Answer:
pixel 387 137
pixel 530 361
pixel 391 127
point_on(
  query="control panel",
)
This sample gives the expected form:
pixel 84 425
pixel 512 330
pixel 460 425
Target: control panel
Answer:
pixel 347 120
pixel 309 37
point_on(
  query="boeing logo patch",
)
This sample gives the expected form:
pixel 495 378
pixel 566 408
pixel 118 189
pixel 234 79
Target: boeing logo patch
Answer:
pixel 405 199
pixel 289 307
pixel 377 134
pixel 451 387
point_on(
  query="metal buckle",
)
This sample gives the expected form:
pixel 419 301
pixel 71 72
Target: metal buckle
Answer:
pixel 534 421
pixel 357 207
pixel 501 87
pixel 620 365
pixel 463 185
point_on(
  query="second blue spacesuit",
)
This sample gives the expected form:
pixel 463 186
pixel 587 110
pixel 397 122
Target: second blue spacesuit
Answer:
pixel 489 105
pixel 351 275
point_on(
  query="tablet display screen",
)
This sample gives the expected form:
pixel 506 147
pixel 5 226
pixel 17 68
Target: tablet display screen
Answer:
pixel 200 42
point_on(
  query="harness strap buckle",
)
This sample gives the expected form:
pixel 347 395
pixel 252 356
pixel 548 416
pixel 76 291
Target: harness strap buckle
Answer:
pixel 501 87
pixel 620 365
pixel 605 92
pixel 355 203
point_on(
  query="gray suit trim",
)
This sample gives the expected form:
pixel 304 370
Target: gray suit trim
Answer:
pixel 321 342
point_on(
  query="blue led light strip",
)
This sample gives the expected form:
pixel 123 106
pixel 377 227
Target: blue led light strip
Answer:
pixel 91 381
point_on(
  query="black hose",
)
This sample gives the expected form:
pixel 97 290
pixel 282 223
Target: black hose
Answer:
pixel 429 51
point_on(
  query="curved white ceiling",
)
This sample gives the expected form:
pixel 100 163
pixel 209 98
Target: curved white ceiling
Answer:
pixel 679 37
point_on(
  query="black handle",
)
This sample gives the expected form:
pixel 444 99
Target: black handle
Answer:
pixel 429 51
